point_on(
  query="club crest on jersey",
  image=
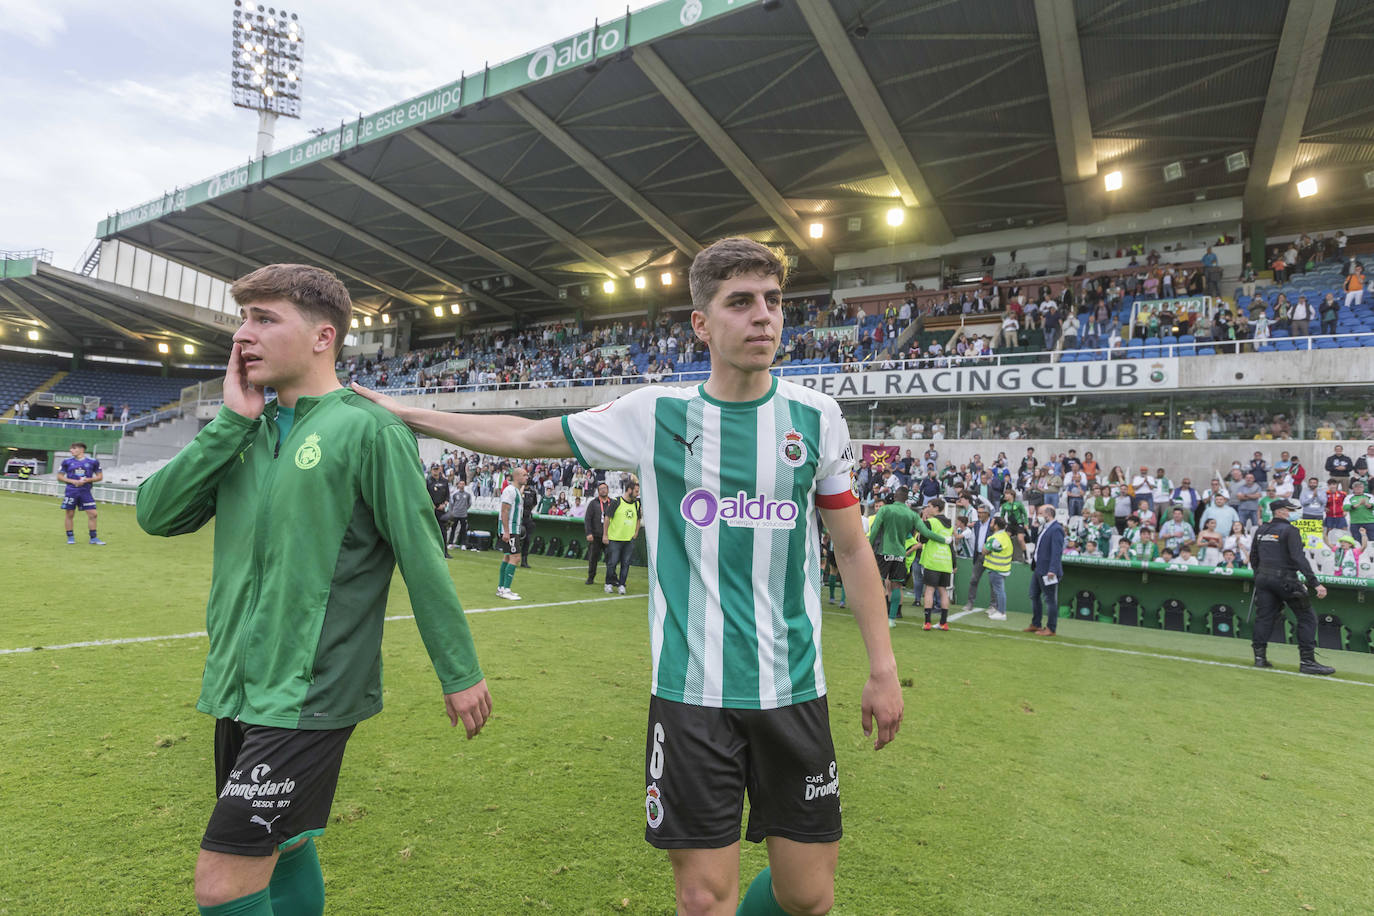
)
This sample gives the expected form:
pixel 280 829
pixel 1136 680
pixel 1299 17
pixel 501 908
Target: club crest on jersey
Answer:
pixel 792 449
pixel 653 805
pixel 308 455
pixel 703 509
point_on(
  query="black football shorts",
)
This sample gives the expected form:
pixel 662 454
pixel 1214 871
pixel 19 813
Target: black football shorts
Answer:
pixel 700 761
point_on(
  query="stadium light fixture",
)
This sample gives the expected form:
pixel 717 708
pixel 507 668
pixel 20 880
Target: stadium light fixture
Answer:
pixel 456 308
pixel 896 216
pixel 163 349
pixel 438 311
pixel 1307 187
pixel 367 321
pixel 188 349
pixel 641 282
pixel 666 278
pixel 608 287
pixel 386 318
pixel 266 65
pixel 1112 181
pixel 817 230
pixel 355 324
pixel 33 335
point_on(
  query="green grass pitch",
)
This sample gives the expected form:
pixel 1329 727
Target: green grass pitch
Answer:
pixel 1029 777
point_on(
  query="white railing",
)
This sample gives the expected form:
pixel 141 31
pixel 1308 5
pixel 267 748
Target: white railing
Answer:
pixel 39 486
pixel 1126 350
pixel 138 422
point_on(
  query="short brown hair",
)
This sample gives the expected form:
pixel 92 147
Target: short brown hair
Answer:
pixel 318 294
pixel 728 258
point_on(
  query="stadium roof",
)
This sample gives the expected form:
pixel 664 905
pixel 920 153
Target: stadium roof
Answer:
pixel 523 186
pixel 82 313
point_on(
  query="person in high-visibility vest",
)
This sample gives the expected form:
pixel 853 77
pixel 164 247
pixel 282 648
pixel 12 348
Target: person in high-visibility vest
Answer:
pixel 889 534
pixel 937 562
pixel 997 564
pixel 621 531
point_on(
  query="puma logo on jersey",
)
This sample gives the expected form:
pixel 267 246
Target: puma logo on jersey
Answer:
pixel 689 445
pixel 268 824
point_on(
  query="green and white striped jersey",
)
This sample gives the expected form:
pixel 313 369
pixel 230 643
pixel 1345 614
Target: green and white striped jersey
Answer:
pixel 511 496
pixel 730 491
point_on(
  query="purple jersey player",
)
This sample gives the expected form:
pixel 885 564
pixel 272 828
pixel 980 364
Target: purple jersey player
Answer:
pixel 79 472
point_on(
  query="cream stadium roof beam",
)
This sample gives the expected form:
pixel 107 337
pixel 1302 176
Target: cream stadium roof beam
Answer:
pixel 203 243
pixel 314 257
pixel 68 302
pixel 510 201
pixel 1296 64
pixel 868 104
pixel 1073 133
pixel 171 323
pixel 459 287
pixel 429 221
pixel 37 315
pixel 733 158
pixel 592 165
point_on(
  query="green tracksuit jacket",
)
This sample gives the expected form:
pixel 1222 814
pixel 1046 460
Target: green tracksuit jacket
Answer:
pixel 306 537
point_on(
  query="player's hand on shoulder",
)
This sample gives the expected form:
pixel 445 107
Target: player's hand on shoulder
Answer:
pixel 376 397
pixel 472 707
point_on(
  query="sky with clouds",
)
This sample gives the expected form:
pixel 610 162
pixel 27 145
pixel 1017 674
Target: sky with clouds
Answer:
pixel 109 104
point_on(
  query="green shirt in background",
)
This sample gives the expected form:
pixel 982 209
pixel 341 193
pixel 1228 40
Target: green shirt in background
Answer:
pixel 1360 509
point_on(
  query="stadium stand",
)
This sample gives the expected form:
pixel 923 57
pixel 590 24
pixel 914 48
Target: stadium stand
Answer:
pixel 17 380
pixel 143 393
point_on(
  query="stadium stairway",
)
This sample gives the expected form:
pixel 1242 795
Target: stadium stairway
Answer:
pixel 46 386
pixel 158 442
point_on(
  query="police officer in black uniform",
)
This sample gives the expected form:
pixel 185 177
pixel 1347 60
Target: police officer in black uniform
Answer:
pixel 1277 558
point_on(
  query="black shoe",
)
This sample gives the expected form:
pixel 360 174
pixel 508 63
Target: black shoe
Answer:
pixel 1262 662
pixel 447 555
pixel 525 566
pixel 1312 666
pixel 591 582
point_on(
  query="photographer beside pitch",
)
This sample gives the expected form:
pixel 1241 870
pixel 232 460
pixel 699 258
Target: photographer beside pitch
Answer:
pixel 733 472
pixel 316 497
pixel 1276 557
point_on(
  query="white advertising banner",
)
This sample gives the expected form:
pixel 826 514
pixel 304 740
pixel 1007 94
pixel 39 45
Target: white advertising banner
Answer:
pixel 992 381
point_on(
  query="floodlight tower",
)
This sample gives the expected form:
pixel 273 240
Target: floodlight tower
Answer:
pixel 269 47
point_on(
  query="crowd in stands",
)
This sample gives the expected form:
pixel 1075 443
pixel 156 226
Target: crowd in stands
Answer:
pixel 1145 515
pixel 1073 315
pixel 1118 421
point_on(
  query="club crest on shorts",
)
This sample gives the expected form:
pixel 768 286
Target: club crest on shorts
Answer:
pixel 308 455
pixel 653 805
pixel 792 449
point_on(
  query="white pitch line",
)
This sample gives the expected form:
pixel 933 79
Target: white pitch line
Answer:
pixel 965 613
pixel 102 642
pixel 137 639
pixel 1160 655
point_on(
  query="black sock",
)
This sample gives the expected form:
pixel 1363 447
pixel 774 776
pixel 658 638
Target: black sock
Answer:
pixel 93 534
pixel 71 533
pixel 927 615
